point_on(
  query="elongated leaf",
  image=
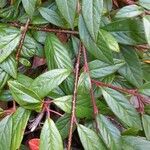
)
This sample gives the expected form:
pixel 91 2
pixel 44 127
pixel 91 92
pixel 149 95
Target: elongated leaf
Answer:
pixel 92 11
pixel 20 119
pixel 127 31
pixel 56 53
pixel 144 3
pixel 100 69
pixel 89 139
pixel 146 123
pixel 50 138
pixel 122 108
pixel 52 16
pixel 5 133
pixel 135 143
pixel 46 82
pixel 68 10
pixel 146 21
pixel 110 134
pixel 29 6
pixel 132 71
pixel 10 66
pixel 129 11
pixel 8 45
pixel 99 49
pixel 24 96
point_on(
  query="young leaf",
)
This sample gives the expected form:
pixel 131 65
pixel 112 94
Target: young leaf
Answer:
pixel 110 134
pixel 132 70
pixel 20 119
pixel 146 123
pixel 122 108
pixel 129 11
pixel 8 45
pixel 56 53
pixel 5 133
pixel 68 10
pixel 10 66
pixel 50 138
pixel 24 96
pixel 29 6
pixel 135 143
pixel 92 12
pixel 46 82
pixel 146 22
pixel 89 139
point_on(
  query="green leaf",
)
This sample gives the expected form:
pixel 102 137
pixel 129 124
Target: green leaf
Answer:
pixel 99 49
pixel 135 143
pixel 146 22
pixel 50 138
pixel 68 10
pixel 92 11
pixel 144 3
pixel 146 123
pixel 52 16
pixel 127 31
pixel 24 96
pixel 122 108
pixel 89 139
pixel 29 6
pixel 20 119
pixel 48 81
pixel 56 53
pixel 129 11
pixel 6 96
pixel 10 66
pixel 145 89
pixel 132 70
pixel 5 133
pixel 99 69
pixel 110 134
pixel 63 125
pixel 3 78
pixel 8 45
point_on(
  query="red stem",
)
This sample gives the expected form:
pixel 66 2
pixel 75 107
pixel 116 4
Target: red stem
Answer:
pixel 55 112
pixel 86 67
pixel 73 116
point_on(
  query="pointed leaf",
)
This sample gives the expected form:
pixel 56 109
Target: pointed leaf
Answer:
pixel 122 108
pixel 24 96
pixel 89 139
pixel 46 82
pixel 50 138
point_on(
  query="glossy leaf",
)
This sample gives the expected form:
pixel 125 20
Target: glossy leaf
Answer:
pixel 110 134
pixel 24 96
pixel 50 138
pixel 56 53
pixel 46 82
pixel 146 122
pixel 20 119
pixel 122 108
pixel 68 10
pixel 92 11
pixel 89 139
pixel 146 21
pixel 129 11
pixel 144 3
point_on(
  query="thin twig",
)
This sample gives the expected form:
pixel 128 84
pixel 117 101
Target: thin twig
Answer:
pixel 23 34
pixel 55 112
pixel 127 91
pixel 46 29
pixel 86 67
pixel 73 116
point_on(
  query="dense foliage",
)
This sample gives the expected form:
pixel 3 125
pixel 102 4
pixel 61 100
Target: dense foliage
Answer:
pixel 75 74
